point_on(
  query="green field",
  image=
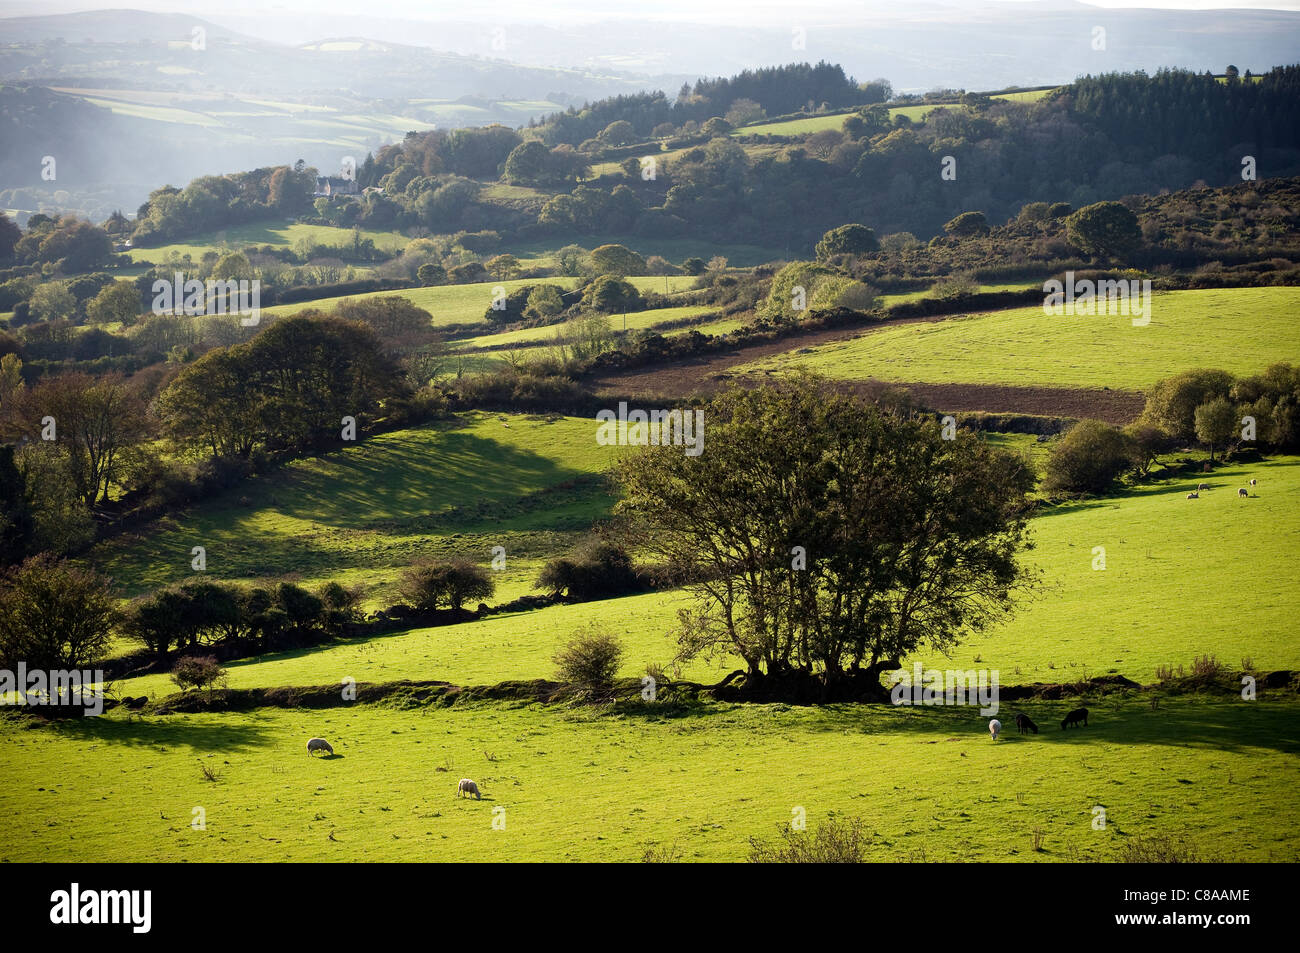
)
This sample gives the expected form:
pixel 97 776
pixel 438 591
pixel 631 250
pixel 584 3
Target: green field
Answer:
pixel 634 321
pixel 284 234
pixel 468 303
pixel 1241 330
pixel 578 786
pixel 365 512
pixel 1182 578
pixel 803 127
pixel 1169 562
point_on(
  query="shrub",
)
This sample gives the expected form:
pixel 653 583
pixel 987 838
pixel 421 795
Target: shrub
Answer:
pixel 835 842
pixel 601 571
pixel 1088 459
pixel 54 615
pixel 847 240
pixel 1104 229
pixel 198 671
pixel 590 658
pixel 967 224
pixel 427 585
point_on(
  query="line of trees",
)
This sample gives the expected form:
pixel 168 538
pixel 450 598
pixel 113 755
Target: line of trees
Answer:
pixel 1212 408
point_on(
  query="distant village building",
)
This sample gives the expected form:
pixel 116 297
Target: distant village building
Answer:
pixel 328 186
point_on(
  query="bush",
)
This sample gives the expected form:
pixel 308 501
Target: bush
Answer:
pixel 836 842
pixel 847 240
pixel 601 571
pixel 428 585
pixel 198 671
pixel 590 658
pixel 54 615
pixel 1104 229
pixel 967 225
pixel 1088 459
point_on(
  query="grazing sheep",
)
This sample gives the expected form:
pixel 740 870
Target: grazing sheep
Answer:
pixel 1243 492
pixel 1194 495
pixel 1252 481
pixel 319 744
pixel 1024 723
pixel 1202 486
pixel 994 727
pixel 466 787
pixel 1076 716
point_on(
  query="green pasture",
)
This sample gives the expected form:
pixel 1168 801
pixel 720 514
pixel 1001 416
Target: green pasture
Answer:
pixel 1241 330
pixel 581 785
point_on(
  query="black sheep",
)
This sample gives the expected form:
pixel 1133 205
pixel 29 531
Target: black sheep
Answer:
pixel 1076 716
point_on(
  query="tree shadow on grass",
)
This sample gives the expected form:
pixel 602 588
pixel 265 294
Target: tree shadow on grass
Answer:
pixel 1199 722
pixel 180 732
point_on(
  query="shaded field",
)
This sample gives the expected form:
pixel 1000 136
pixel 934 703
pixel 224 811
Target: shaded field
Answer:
pixel 364 512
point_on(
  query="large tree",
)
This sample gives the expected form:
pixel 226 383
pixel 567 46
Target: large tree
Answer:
pixel 94 419
pixel 822 534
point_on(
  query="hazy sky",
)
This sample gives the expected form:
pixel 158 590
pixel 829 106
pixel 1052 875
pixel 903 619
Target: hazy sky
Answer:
pixel 568 11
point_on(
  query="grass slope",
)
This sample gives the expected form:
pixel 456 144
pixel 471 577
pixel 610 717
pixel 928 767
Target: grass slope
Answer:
pixel 364 512
pixel 1241 330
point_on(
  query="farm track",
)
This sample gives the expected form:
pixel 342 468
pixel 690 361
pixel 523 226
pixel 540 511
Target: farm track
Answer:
pixel 711 372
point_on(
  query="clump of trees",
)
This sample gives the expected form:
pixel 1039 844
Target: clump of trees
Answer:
pixel 432 585
pixel 1204 406
pixel 289 388
pixel 236 619
pixel 600 570
pixel 825 537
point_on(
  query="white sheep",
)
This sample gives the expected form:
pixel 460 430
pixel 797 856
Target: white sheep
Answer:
pixel 994 727
pixel 1243 492
pixel 319 744
pixel 466 787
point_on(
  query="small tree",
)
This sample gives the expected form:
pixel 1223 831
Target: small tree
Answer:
pixel 503 267
pixel 427 585
pixel 431 274
pixel 847 240
pixel 590 658
pixel 616 260
pixel 117 302
pixel 198 672
pixel 967 225
pixel 54 615
pixel 1216 422
pixel 1104 229
pixel 1089 458
pixel 610 295
pixel 544 301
